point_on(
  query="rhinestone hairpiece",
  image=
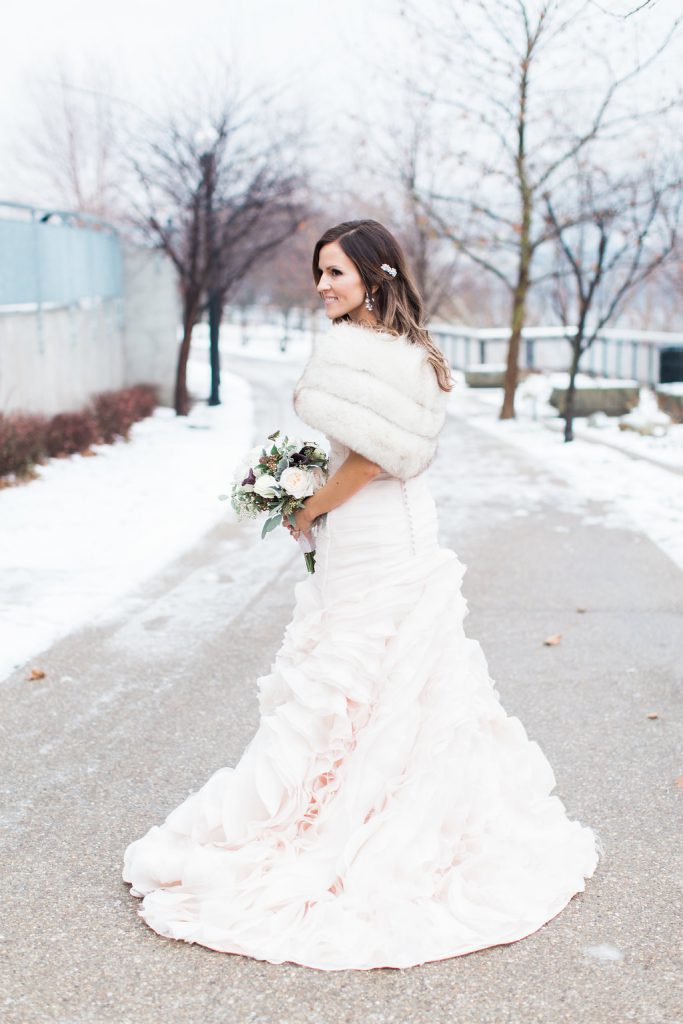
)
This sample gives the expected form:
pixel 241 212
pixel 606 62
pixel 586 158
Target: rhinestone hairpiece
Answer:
pixel 389 270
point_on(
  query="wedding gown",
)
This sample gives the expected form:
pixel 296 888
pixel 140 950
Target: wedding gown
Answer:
pixel 387 812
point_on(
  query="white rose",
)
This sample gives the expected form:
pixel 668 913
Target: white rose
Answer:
pixel 266 485
pixel 297 482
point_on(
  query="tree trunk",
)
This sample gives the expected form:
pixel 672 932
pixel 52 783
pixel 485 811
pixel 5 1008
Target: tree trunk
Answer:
pixel 519 297
pixel 571 391
pixel 182 398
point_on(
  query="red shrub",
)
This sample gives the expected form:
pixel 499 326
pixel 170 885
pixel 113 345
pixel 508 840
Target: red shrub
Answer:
pixel 26 438
pixel 71 432
pixel 145 399
pixel 22 442
pixel 116 411
pixel 113 412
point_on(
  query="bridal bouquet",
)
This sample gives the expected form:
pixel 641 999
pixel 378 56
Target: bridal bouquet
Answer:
pixel 275 478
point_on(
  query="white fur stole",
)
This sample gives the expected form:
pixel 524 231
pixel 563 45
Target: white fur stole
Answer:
pixel 376 394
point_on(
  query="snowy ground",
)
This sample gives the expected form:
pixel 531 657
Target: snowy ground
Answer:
pixel 664 446
pixel 640 479
pixel 91 528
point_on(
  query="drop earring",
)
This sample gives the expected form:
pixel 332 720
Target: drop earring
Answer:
pixel 368 301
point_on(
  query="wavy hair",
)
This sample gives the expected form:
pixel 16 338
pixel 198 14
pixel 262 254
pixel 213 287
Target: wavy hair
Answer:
pixel 397 302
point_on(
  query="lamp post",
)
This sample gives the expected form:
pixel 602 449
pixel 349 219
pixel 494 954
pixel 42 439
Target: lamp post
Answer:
pixel 208 165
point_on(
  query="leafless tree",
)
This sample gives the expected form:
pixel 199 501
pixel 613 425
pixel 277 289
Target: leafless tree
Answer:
pixel 629 12
pixel 71 154
pixel 284 279
pixel 221 192
pixel 624 229
pixel 518 121
pixel 390 156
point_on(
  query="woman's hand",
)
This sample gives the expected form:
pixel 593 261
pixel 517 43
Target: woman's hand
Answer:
pixel 302 522
pixel 355 472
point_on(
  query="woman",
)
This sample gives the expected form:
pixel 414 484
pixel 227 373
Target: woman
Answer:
pixel 387 812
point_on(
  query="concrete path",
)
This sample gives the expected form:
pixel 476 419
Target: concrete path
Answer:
pixel 139 709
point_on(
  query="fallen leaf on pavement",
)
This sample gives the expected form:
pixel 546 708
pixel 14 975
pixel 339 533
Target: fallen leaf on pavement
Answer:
pixel 36 673
pixel 653 714
pixel 550 641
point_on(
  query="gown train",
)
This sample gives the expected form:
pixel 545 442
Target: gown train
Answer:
pixel 387 812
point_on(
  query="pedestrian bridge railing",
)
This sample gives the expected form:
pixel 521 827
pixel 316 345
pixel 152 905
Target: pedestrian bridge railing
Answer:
pixel 616 352
pixel 54 259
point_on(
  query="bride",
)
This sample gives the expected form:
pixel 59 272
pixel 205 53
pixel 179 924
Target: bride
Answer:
pixel 387 812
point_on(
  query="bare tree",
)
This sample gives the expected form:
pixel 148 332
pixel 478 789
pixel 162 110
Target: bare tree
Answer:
pixel 390 156
pixel 72 153
pixel 218 197
pixel 629 12
pixel 517 133
pixel 435 268
pixel 625 228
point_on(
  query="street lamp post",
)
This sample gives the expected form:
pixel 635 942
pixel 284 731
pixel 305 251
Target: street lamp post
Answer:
pixel 208 161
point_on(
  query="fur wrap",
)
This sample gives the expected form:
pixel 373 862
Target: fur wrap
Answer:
pixel 376 394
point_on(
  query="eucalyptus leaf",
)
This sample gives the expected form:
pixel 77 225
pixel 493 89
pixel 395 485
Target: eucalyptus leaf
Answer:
pixel 270 524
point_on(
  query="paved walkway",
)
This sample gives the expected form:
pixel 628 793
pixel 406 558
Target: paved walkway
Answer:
pixel 142 707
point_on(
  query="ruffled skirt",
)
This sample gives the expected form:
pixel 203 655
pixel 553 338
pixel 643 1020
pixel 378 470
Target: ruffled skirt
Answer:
pixel 387 812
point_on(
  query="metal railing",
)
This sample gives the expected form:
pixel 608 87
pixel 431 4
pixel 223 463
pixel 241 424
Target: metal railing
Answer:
pixel 55 258
pixel 616 352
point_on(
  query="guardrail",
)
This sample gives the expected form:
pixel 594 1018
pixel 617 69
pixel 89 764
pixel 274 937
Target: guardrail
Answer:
pixel 616 352
pixel 53 258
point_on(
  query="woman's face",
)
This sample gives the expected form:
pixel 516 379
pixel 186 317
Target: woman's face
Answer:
pixel 340 285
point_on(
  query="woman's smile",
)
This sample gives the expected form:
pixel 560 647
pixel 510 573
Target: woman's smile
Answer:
pixel 339 270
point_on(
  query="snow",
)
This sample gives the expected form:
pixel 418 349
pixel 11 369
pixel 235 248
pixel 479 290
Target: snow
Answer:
pixel 639 479
pixel 264 342
pixel 665 448
pixel 676 388
pixel 91 528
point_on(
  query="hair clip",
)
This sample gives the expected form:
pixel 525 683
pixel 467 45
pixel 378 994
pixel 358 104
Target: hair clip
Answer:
pixel 389 270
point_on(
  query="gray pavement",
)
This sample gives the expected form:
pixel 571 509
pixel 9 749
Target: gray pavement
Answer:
pixel 139 709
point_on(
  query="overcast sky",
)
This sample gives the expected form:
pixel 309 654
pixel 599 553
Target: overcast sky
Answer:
pixel 147 42
pixel 315 47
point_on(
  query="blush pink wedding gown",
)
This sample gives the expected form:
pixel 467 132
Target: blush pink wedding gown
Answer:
pixel 387 811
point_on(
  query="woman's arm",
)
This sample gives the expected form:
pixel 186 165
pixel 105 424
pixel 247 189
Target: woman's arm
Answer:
pixel 355 472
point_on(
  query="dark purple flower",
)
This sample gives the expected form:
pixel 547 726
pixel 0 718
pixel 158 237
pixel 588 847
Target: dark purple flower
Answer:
pixel 250 479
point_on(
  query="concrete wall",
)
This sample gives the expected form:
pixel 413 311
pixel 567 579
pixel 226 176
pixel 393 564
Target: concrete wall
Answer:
pixel 53 360
pixel 152 317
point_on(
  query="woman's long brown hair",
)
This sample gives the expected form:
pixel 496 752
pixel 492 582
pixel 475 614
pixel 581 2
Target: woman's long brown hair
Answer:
pixel 397 302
